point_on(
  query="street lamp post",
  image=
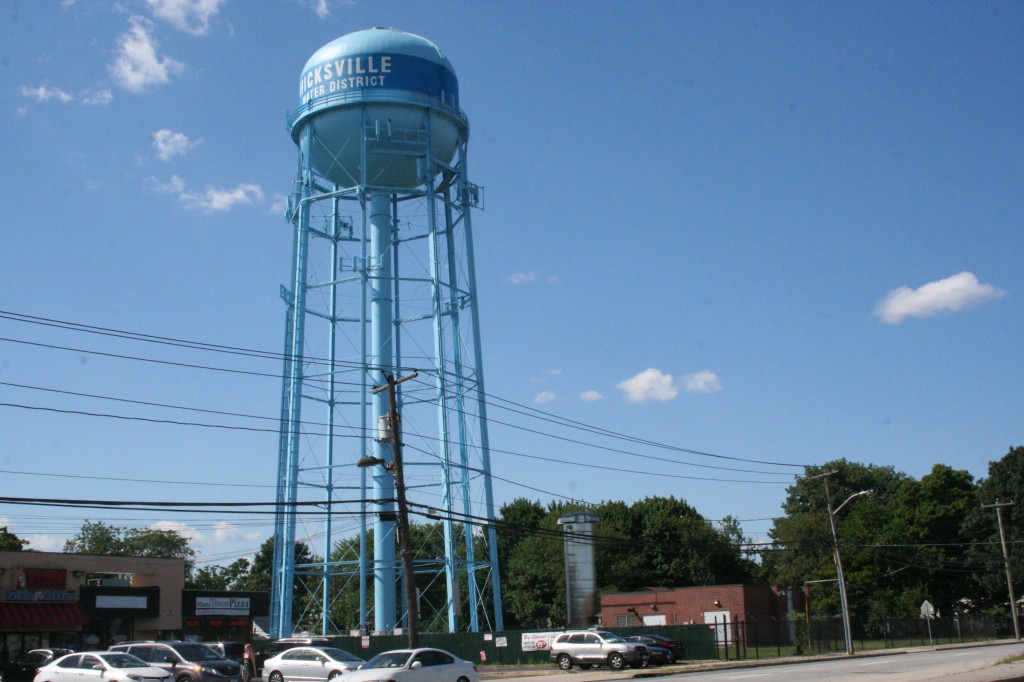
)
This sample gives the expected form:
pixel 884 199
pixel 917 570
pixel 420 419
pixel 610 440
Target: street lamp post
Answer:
pixel 404 541
pixel 843 604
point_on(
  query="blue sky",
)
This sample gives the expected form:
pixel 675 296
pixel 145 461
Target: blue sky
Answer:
pixel 776 233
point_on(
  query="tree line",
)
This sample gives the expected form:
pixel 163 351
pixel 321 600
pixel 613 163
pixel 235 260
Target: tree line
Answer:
pixel 933 538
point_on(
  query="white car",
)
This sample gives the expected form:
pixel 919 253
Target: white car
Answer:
pixel 309 664
pixel 101 666
pixel 415 665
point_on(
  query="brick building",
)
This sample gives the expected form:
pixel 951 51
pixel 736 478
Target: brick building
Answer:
pixel 725 606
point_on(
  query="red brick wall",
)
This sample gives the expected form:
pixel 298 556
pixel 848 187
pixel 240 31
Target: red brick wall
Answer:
pixel 690 604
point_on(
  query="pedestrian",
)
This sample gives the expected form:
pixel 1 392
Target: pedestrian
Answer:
pixel 249 671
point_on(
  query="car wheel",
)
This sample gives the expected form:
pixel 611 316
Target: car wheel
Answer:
pixel 616 661
pixel 333 675
pixel 276 677
pixel 584 666
pixel 462 679
pixel 564 662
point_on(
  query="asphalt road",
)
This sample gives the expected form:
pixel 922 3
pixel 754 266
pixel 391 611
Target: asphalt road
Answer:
pixel 949 664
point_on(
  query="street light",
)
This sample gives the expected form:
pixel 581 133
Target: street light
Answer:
pixel 843 604
pixel 394 467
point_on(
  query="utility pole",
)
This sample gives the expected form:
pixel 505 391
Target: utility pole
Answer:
pixel 404 541
pixel 1006 561
pixel 394 467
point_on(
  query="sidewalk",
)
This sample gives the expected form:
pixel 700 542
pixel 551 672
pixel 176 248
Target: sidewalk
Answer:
pixel 544 673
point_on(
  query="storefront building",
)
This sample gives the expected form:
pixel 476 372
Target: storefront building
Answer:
pixel 86 601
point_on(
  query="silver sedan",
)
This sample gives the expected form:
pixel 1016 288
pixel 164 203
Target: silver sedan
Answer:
pixel 309 664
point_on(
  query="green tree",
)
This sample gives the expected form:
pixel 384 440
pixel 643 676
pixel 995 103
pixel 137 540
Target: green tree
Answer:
pixel 215 577
pixel 96 537
pixel 802 545
pixel 9 542
pixel 663 542
pixel 533 582
pixel 922 551
pixel 306 583
pixel 1004 484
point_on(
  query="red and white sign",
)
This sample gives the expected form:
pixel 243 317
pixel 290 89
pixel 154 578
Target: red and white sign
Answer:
pixel 538 641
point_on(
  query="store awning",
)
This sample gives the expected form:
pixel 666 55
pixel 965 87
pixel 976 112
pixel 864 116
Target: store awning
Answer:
pixel 32 615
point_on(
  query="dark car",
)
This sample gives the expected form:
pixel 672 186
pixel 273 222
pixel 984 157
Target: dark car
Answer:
pixel 673 646
pixel 186 661
pixel 234 651
pixel 657 655
pixel 23 668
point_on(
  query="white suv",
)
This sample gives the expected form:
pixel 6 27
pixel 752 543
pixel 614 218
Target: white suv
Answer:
pixel 587 648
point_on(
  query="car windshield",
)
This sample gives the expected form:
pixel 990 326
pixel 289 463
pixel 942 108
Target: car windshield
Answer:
pixel 609 637
pixel 340 654
pixel 124 661
pixel 197 652
pixel 389 659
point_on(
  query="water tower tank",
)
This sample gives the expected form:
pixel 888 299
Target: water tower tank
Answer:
pixel 396 90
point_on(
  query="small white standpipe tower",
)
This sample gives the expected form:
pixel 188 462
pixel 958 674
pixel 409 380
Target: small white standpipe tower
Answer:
pixel 580 569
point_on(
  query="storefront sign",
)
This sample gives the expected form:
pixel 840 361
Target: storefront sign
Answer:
pixel 40 595
pixel 222 606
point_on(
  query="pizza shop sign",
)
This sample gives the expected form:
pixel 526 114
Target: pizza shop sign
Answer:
pixel 222 606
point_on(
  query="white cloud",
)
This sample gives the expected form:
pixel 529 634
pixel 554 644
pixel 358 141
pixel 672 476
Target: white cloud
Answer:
pixel 223 199
pixel 544 397
pixel 191 16
pixel 45 93
pixel 278 204
pixel 182 529
pixel 522 277
pixel 591 396
pixel 137 65
pixel 950 295
pixel 702 382
pixel 649 385
pixel 45 543
pixel 226 532
pixel 321 8
pixel 99 98
pixel 169 144
pixel 173 186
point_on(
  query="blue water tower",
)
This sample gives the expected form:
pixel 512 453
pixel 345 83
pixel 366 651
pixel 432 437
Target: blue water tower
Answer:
pixel 383 285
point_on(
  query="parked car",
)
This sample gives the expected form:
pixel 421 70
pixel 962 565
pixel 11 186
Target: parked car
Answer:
pixel 101 666
pixel 24 667
pixel 305 663
pixel 186 661
pixel 656 655
pixel 415 665
pixel 272 647
pixel 664 642
pixel 233 651
pixel 587 648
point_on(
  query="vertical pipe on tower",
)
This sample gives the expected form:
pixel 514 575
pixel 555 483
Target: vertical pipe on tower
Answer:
pixel 381 335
